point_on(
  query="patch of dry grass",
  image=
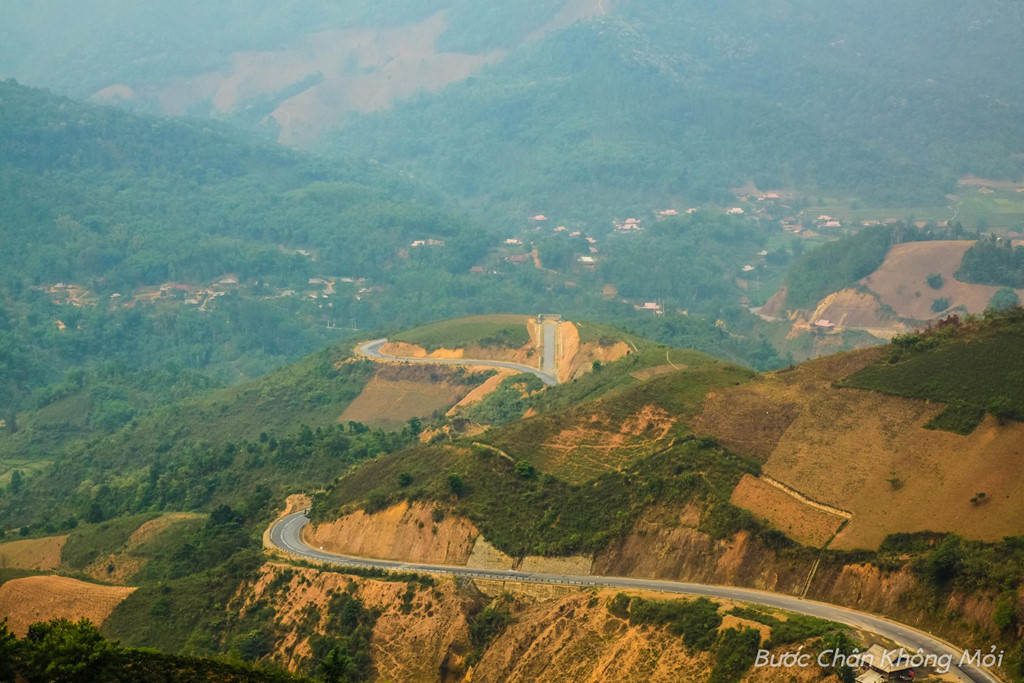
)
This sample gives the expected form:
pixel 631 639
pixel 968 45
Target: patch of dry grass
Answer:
pixel 799 521
pixel 41 598
pixel 34 553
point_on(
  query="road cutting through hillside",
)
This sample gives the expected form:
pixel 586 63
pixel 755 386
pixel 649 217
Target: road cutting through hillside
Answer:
pixel 372 351
pixel 286 535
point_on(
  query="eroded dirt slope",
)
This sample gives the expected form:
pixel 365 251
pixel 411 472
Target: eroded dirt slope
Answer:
pixel 405 531
pixel 566 636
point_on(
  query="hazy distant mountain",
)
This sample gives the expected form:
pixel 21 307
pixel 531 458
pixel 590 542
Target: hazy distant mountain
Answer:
pixel 572 103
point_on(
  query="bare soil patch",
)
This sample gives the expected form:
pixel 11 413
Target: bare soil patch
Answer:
pixel 575 638
pixel 751 418
pixel 575 357
pixel 797 520
pixel 41 598
pixel 775 307
pixel 410 645
pixel 406 350
pixel 869 454
pixel 482 390
pixel 901 281
pixel 398 393
pixel 850 308
pixel 345 71
pixel 600 444
pixel 841 447
pixel 34 553
pixel 401 532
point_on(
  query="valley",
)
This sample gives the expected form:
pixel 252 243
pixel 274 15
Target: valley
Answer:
pixel 559 340
pixel 736 459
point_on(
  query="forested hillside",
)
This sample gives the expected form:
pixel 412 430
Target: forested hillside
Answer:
pixel 156 257
pixel 660 99
pixel 153 257
pixel 575 105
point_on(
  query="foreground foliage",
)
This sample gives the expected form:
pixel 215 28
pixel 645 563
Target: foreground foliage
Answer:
pixel 68 652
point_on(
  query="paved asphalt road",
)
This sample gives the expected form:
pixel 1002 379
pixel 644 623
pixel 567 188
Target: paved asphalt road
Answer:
pixel 372 350
pixel 286 534
pixel 550 332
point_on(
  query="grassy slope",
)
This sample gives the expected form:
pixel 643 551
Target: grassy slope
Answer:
pixel 89 542
pixel 969 367
pixel 602 407
pixel 191 437
pixel 481 330
pixel 565 509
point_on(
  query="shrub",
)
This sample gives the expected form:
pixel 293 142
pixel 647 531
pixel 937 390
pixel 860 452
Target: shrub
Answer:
pixel 1004 299
pixel 958 417
pixel 945 562
pixel 618 606
pixel 1003 408
pixel 696 621
pixel 735 653
pixel 940 304
pixel 524 469
pixel 455 484
pixel 485 627
pixel 935 281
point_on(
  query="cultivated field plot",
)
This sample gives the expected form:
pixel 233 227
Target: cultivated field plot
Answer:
pixel 509 331
pixel 901 281
pixel 750 419
pixel 32 553
pixel 869 454
pixel 801 522
pixel 41 598
pixel 599 445
pixel 397 393
pixel 1001 209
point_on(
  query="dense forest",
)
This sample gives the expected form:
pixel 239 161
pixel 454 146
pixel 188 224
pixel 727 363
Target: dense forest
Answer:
pixel 637 102
pixel 659 99
pixel 113 221
pixel 151 258
pixel 993 261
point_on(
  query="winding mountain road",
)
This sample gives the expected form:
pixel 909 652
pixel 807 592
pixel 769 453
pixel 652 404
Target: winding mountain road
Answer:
pixel 372 350
pixel 286 535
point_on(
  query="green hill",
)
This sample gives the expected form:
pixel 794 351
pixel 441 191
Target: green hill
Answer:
pixel 531 496
pixel 270 435
pixel 638 102
pixel 601 462
pixel 975 366
pixel 508 331
pixel 148 259
pixel 655 100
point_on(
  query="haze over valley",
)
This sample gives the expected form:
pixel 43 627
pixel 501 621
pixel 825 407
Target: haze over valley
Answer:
pixel 563 340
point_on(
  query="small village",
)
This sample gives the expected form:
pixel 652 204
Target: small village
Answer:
pixel 775 210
